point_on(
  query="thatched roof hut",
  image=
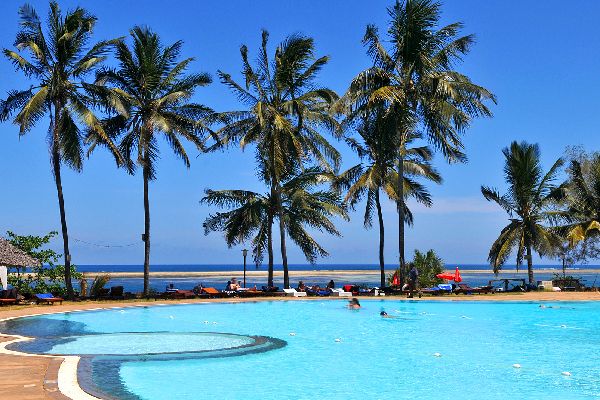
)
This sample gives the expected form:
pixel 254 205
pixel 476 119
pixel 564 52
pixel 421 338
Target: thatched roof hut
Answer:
pixel 11 256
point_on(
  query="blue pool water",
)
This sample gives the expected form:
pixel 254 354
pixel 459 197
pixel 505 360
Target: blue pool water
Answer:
pixel 333 352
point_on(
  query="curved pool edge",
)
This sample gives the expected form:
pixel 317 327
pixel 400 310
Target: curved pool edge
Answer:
pixel 65 380
pixel 62 380
pixel 67 375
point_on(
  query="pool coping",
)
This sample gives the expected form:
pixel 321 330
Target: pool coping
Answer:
pixel 61 378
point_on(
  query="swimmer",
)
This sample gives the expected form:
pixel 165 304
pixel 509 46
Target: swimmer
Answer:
pixel 353 304
pixel 567 308
pixel 385 315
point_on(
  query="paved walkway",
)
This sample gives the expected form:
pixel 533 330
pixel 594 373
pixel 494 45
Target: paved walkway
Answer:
pixel 29 378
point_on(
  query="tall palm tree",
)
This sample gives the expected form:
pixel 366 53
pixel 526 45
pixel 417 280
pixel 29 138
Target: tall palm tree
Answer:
pixel 285 111
pixel 302 206
pixel 528 202
pixel 378 171
pixel 150 95
pixel 414 81
pixel 60 59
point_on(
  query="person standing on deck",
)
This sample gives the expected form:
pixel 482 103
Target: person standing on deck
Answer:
pixel 413 279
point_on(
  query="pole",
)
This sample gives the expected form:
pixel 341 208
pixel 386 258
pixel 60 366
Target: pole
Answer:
pixel 245 253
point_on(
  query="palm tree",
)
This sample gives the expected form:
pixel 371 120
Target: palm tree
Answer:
pixel 528 202
pixel 581 196
pixel 150 95
pixel 285 112
pixel 415 83
pixel 302 207
pixel 378 172
pixel 59 62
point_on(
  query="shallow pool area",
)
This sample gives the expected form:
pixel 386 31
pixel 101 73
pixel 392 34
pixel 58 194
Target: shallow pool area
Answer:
pixel 303 349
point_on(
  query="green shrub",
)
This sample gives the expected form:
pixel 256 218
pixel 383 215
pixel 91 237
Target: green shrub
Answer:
pixel 428 264
pixel 99 282
pixel 47 278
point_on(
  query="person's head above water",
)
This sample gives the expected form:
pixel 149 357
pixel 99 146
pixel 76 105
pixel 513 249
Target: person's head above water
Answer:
pixel 383 313
pixel 353 302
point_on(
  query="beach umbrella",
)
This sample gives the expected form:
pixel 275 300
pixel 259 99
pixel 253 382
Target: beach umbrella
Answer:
pixel 395 279
pixel 446 276
pixel 451 277
pixel 457 277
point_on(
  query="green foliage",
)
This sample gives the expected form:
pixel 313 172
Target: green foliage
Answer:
pixel 428 264
pixel 528 201
pixel 304 205
pixel 578 215
pixel 98 284
pixel 49 277
pixel 57 59
pixel 148 96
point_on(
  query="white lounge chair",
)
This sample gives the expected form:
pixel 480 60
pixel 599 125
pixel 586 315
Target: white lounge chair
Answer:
pixel 340 293
pixel 293 292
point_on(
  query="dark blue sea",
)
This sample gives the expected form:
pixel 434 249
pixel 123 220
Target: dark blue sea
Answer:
pixel 336 273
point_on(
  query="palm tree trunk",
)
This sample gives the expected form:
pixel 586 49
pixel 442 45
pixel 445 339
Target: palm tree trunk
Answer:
pixel 401 217
pixel 286 277
pixel 270 249
pixel 61 202
pixel 146 233
pixel 381 238
pixel 529 264
pixel 63 222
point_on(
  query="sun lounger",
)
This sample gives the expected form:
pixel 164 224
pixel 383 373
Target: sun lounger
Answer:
pixel 183 294
pixel 47 298
pixel 115 293
pixel 442 288
pixel 340 293
pixel 8 296
pixel 293 292
pixel 212 292
pixel 466 289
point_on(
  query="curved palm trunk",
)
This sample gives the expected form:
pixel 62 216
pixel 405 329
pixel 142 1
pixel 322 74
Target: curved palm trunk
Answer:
pixel 381 238
pixel 61 203
pixel 401 217
pixel 270 249
pixel 146 233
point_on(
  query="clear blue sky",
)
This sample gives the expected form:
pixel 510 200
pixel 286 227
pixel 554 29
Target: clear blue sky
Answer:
pixel 540 58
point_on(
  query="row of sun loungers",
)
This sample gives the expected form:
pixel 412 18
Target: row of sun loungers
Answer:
pixel 116 293
pixel 10 297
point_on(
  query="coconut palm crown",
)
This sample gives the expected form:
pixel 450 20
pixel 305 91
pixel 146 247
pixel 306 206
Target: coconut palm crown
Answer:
pixel 305 205
pixel 529 202
pixel 58 59
pixel 579 220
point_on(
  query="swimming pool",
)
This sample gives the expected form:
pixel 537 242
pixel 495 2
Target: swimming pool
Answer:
pixel 308 349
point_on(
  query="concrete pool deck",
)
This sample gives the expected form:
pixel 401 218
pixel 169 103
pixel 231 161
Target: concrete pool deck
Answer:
pixel 33 377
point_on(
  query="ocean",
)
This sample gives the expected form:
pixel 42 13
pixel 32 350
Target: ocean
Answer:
pixel 591 276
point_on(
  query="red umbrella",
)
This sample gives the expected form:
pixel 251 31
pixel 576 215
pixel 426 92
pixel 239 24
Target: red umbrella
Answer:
pixel 457 277
pixel 446 275
pixel 451 277
pixel 395 279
